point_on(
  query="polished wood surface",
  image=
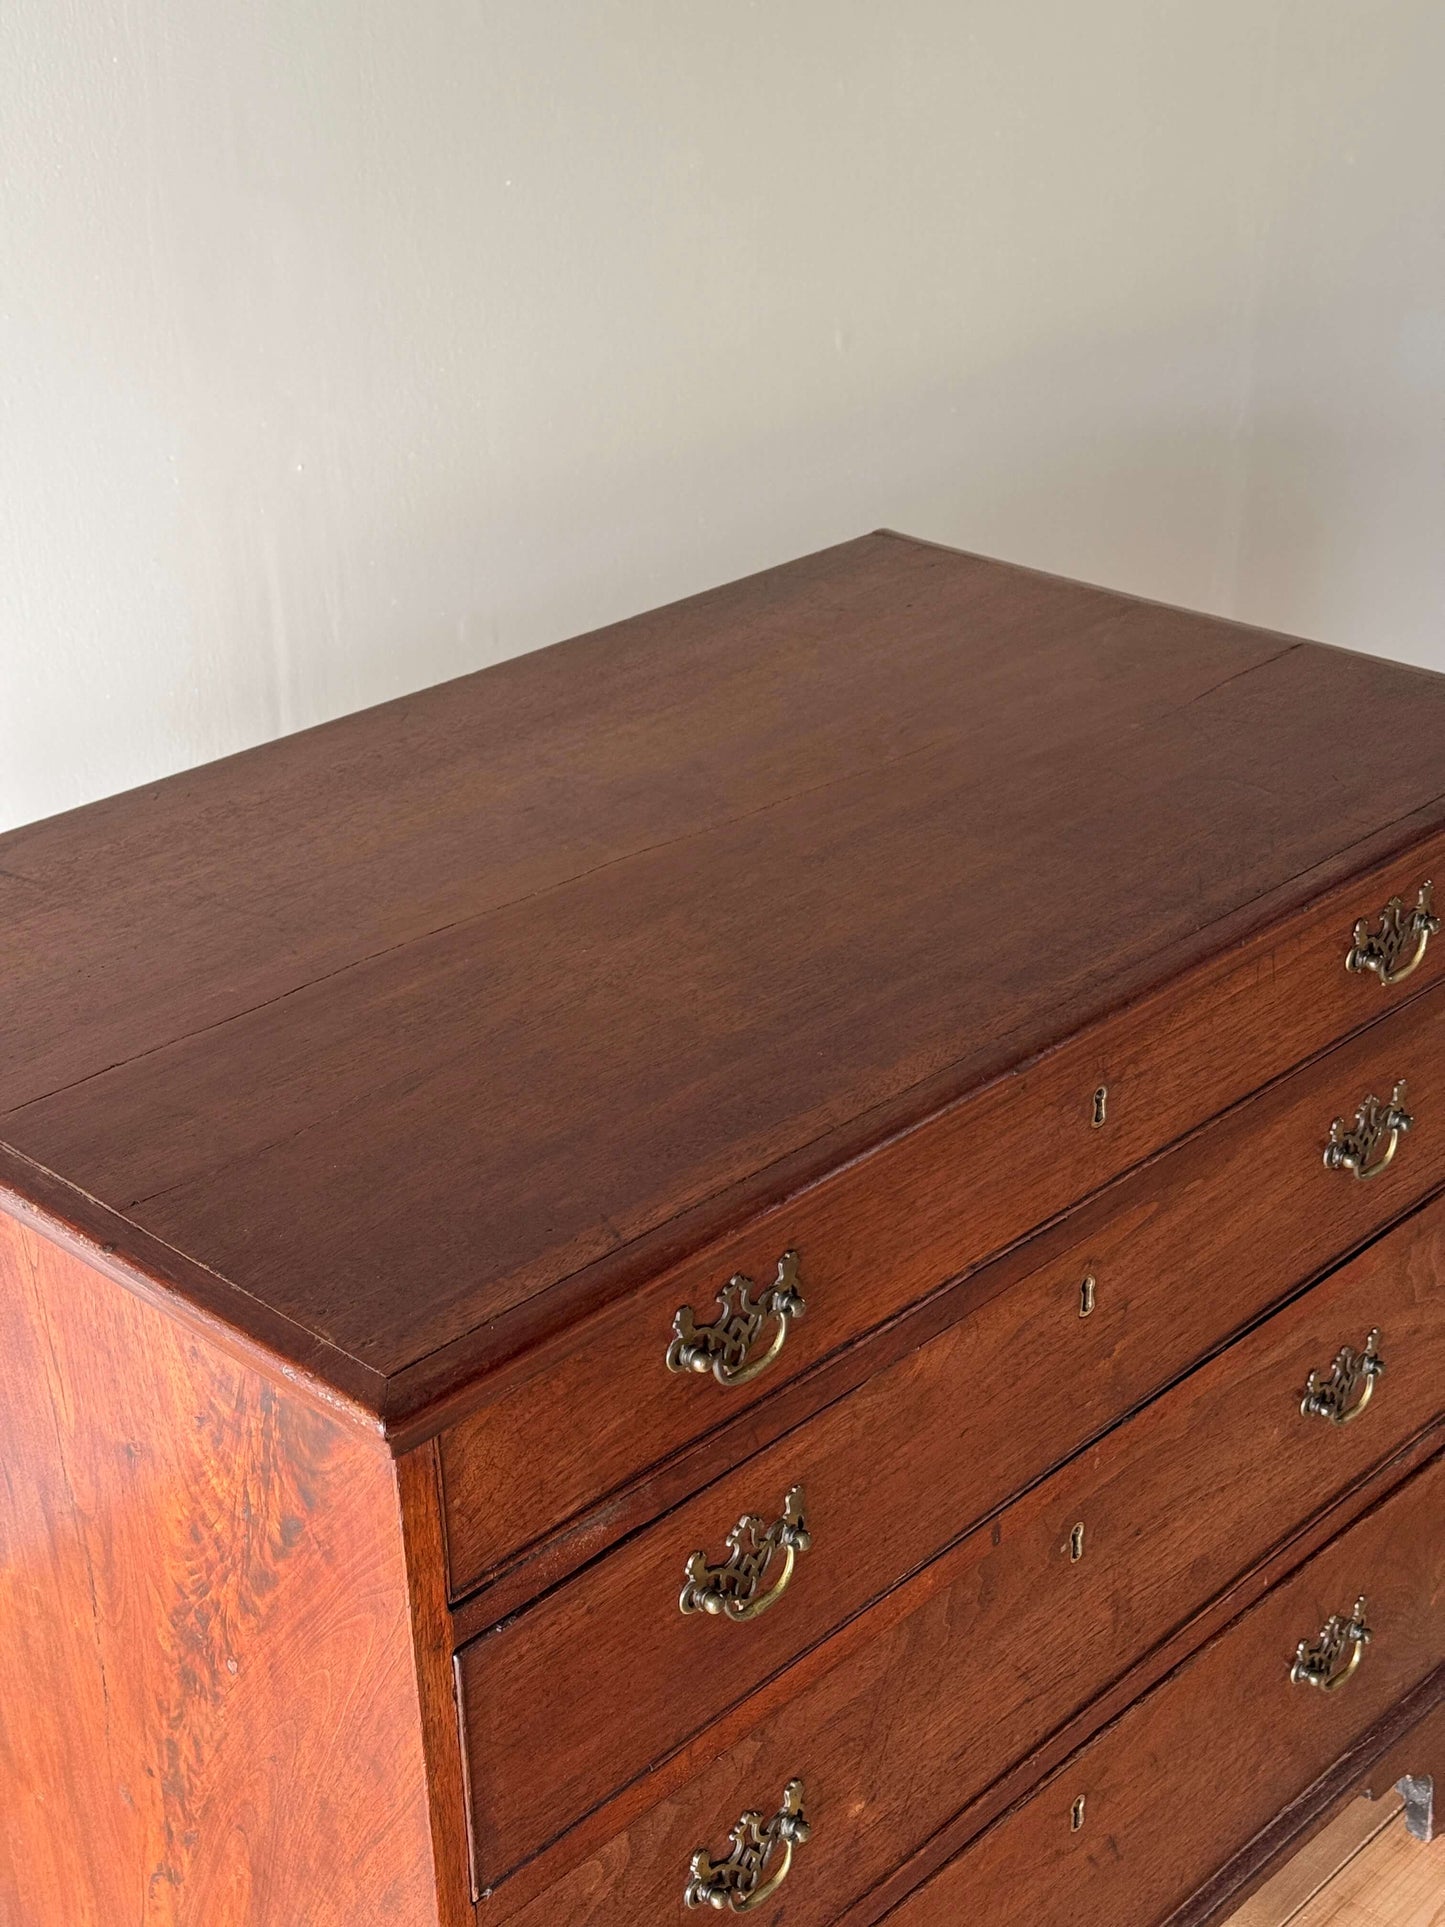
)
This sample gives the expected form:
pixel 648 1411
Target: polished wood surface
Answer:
pixel 209 1710
pixel 401 1024
pixel 1247 1199
pixel 432 1640
pixel 1174 1506
pixel 1178 1750
pixel 1188 1494
pixel 1364 1764
pixel 372 1104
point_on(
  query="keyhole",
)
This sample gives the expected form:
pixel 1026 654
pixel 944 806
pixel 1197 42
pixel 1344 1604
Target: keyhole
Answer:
pixel 1076 1813
pixel 1076 1543
pixel 1086 1294
pixel 1101 1106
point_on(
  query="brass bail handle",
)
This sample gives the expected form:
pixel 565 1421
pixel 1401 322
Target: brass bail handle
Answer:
pixel 758 1860
pixel 1395 949
pixel 1341 1394
pixel 734 1588
pixel 728 1347
pixel 1321 1662
pixel 1368 1146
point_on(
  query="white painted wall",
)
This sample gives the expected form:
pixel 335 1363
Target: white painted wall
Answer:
pixel 344 347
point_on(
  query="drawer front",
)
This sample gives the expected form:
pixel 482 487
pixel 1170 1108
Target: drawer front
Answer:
pixel 581 1416
pixel 1191 1774
pixel 1038 1611
pixel 885 1478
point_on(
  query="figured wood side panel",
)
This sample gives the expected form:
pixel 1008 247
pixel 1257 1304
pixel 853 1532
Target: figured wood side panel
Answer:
pixel 209 1715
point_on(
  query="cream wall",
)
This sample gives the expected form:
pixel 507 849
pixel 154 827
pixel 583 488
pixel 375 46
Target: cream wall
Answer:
pixel 344 347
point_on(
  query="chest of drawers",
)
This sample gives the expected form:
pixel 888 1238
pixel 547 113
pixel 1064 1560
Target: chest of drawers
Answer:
pixel 786 1260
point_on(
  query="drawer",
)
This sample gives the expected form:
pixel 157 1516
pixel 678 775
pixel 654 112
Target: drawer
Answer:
pixel 1194 1771
pixel 1039 1610
pixel 894 1472
pixel 576 1419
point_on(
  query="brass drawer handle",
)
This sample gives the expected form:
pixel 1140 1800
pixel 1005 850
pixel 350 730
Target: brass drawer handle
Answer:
pixel 759 1859
pixel 732 1588
pixel 1356 1147
pixel 725 1347
pixel 1402 933
pixel 1317 1661
pixel 1343 1395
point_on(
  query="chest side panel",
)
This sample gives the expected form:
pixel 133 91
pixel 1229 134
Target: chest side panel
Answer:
pixel 210 1712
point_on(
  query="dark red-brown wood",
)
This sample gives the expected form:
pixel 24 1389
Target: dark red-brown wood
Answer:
pixel 370 1103
pixel 422 1531
pixel 1183 1252
pixel 548 975
pixel 1240 1468
pixel 209 1712
pixel 1228 1741
pixel 1405 1732
pixel 905 1727
pixel 1409 1741
pixel 1341 1779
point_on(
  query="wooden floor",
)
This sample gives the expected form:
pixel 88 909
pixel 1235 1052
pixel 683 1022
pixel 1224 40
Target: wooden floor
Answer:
pixel 1364 1870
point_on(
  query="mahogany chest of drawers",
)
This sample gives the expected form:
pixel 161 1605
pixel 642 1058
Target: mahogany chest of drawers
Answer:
pixel 786 1260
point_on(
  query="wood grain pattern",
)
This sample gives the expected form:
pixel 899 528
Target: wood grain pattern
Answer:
pixel 1236 1877
pixel 457 800
pixel 887 1720
pixel 883 1498
pixel 1312 1808
pixel 1185 1252
pixel 1228 1740
pixel 370 1103
pixel 210 1710
pixel 1310 1871
pixel 452 1852
pixel 557 973
pixel 1394 1882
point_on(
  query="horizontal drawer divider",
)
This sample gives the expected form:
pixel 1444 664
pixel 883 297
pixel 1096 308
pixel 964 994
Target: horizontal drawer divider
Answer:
pixel 1339 1783
pixel 979 1827
pixel 666 1774
pixel 884 1231
pixel 570 1545
pixel 496 1605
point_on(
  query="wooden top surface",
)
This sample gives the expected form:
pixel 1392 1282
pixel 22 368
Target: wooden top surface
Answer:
pixel 410 1026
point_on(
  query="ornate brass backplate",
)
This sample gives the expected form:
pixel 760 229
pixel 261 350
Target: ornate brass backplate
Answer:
pixel 1357 1147
pixel 1321 1662
pixel 734 1587
pixel 758 1860
pixel 726 1346
pixel 1402 934
pixel 1342 1394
